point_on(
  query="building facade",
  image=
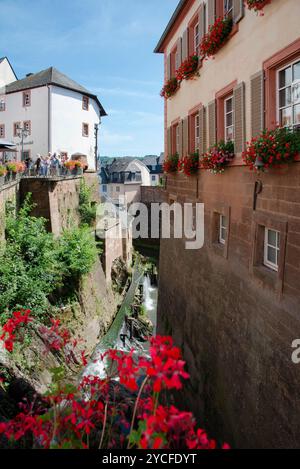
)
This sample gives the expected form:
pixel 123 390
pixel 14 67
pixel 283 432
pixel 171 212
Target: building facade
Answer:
pixel 59 114
pixel 233 306
pixel 121 180
pixel 155 165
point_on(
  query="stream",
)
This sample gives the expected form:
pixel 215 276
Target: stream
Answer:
pixel 97 366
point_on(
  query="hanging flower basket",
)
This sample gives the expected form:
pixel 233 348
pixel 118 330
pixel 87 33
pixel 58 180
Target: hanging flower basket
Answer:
pixel 218 157
pixel 256 5
pixel 74 167
pixel 216 37
pixel 272 148
pixel 189 165
pixel 188 70
pixel 170 88
pixel 171 164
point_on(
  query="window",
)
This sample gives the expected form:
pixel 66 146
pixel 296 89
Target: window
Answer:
pixel 271 249
pixel 228 8
pixel 104 188
pixel 222 229
pixel 26 99
pixel 196 38
pixel 153 178
pixel 174 61
pixel 2 104
pixel 117 189
pixel 289 96
pixel 2 131
pixel 177 64
pixel 177 134
pixel 85 103
pixel 228 114
pixel 85 130
pixel 27 126
pixel 197 131
pixel 17 125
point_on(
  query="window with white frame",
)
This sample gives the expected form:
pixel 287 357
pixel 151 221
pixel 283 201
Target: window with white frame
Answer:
pixel 228 8
pixel 26 98
pixel 197 132
pixel 2 104
pixel 228 117
pixel 196 38
pixel 223 229
pixel 271 249
pixel 289 96
pixel 2 131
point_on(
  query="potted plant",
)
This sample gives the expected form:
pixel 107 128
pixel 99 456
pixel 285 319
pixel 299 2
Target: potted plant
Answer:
pixel 12 169
pixel 3 173
pixel 272 148
pixel 170 88
pixel 216 37
pixel 171 163
pixel 78 167
pixel 189 165
pixel 218 157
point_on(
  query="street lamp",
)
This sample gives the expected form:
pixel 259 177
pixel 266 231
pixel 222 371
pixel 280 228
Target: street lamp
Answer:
pixel 22 133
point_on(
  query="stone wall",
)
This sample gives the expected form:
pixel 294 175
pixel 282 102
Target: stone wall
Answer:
pixel 235 320
pixel 57 200
pixel 8 193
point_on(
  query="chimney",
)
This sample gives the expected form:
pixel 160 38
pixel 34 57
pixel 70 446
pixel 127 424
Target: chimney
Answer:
pixel 29 75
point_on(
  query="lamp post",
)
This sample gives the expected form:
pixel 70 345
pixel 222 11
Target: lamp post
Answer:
pixel 22 133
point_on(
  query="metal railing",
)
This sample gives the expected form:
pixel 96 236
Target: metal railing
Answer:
pixel 41 173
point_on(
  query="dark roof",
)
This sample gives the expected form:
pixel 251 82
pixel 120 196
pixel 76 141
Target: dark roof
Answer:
pixel 180 5
pixel 51 76
pixel 120 164
pixel 1 59
pixel 151 160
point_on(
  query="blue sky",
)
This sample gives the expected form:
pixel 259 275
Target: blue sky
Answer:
pixel 105 45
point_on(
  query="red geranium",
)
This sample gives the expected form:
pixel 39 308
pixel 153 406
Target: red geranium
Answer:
pixel 188 69
pixel 189 164
pixel 218 157
pixel 170 165
pixel 272 148
pixel 256 5
pixel 216 36
pixel 169 88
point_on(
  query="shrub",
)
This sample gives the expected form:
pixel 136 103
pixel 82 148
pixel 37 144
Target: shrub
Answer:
pixel 272 148
pixel 3 171
pixel 87 210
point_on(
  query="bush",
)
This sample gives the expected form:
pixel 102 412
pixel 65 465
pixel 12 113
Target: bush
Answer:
pixel 87 210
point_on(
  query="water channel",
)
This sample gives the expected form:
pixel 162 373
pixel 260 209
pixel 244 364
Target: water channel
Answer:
pixel 112 340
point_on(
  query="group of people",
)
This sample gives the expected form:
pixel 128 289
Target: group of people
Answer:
pixel 50 165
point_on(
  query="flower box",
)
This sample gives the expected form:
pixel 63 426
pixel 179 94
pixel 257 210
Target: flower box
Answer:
pixel 189 165
pixel 218 157
pixel 272 148
pixel 216 37
pixel 188 70
pixel 171 164
pixel 256 5
pixel 170 88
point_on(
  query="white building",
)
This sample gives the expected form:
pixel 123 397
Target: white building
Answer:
pixel 59 114
pixel 121 181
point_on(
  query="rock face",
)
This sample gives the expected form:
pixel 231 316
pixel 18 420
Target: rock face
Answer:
pixel 29 369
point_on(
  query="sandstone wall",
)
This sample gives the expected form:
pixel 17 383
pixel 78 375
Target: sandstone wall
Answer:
pixel 235 325
pixel 8 193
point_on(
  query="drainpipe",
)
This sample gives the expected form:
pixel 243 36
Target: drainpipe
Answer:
pixel 96 144
pixel 49 118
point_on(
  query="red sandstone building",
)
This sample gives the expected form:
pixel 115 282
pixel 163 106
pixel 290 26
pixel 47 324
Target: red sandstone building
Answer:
pixel 234 306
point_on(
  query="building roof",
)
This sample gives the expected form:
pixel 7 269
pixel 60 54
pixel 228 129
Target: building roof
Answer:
pixel 181 5
pixel 151 160
pixel 51 76
pixel 1 59
pixel 120 164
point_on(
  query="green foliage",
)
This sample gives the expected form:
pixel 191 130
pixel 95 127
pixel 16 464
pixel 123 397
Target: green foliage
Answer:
pixel 34 265
pixel 87 209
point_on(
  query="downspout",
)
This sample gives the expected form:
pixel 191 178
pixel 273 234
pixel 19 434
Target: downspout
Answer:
pixel 49 118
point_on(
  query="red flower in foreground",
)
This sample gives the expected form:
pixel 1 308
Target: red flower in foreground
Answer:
pixel 12 326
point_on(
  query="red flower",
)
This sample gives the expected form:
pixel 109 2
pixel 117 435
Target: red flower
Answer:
pixel 169 88
pixel 188 69
pixel 216 36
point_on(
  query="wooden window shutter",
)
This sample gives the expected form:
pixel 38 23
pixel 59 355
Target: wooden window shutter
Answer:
pixel 211 12
pixel 257 103
pixel 212 123
pixel 201 21
pixel 202 138
pixel 179 51
pixel 185 139
pixel 238 10
pixel 239 118
pixel 185 45
pixel 169 141
pixel 180 139
pixel 169 67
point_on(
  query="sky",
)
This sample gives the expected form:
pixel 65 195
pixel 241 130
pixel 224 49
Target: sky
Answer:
pixel 106 46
